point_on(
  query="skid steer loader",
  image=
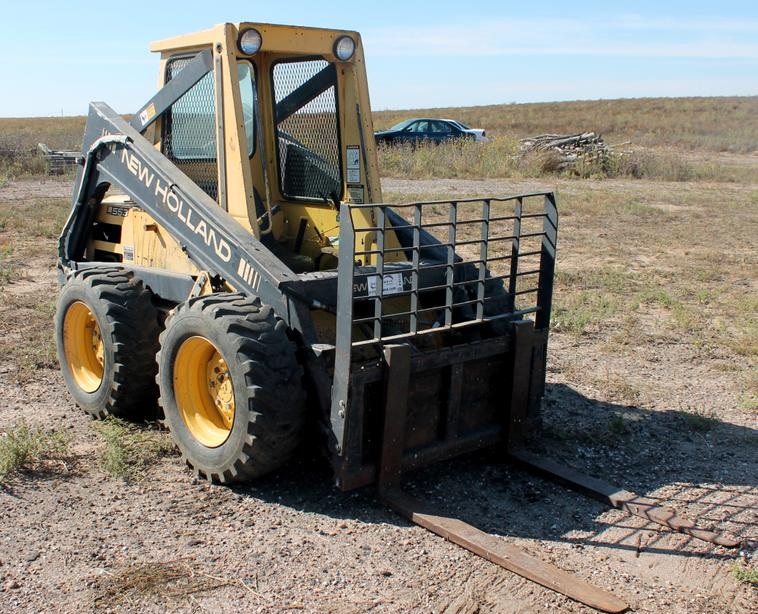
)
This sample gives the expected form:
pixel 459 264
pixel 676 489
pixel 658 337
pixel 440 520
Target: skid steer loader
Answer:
pixel 228 258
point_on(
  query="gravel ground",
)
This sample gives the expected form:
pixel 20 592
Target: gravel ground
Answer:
pixel 74 539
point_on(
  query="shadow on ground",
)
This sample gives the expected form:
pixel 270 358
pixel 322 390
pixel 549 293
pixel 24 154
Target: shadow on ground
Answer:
pixel 702 464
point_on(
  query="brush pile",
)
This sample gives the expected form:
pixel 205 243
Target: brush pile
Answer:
pixel 566 150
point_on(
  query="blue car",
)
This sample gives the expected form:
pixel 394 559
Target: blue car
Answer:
pixel 431 130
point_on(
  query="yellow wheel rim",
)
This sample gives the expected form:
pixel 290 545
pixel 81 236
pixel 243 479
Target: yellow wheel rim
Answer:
pixel 83 347
pixel 204 391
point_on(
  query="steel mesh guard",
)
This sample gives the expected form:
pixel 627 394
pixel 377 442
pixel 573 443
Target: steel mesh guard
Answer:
pixel 190 132
pixel 307 130
pixel 464 263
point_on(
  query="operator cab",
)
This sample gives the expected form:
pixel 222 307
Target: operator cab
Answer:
pixel 278 131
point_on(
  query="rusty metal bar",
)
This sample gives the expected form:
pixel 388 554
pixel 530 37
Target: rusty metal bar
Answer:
pixel 502 553
pixel 618 497
pixel 483 253
pixel 378 302
pixel 518 211
pixel 415 269
pixel 494 199
pixel 450 272
pixel 547 263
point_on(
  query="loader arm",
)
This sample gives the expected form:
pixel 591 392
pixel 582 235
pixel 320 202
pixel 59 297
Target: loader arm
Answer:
pixel 211 238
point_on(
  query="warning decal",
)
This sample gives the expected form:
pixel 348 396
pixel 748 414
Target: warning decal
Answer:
pixel 353 159
pixel 356 194
pixel 147 114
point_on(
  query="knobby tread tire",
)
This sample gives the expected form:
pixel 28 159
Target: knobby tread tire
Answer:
pixel 267 381
pixel 129 327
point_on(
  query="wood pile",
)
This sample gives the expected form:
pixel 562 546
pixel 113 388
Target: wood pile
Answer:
pixel 567 149
pixel 58 161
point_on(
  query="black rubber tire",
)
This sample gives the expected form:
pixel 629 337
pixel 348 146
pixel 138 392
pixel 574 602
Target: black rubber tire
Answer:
pixel 129 328
pixel 266 379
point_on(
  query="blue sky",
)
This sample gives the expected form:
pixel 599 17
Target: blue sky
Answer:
pixel 57 56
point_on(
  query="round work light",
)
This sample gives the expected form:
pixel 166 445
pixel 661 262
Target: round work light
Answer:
pixel 344 48
pixel 250 41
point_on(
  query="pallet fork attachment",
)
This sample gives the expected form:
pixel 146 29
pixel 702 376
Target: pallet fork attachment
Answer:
pixel 497 551
pixel 508 556
pixel 617 497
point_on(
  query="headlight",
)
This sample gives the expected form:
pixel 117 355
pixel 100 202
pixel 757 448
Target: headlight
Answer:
pixel 249 41
pixel 344 48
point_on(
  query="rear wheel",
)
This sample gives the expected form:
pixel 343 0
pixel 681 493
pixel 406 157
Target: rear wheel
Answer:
pixel 107 337
pixel 231 387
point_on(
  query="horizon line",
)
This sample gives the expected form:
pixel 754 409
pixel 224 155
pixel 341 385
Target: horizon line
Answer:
pixel 468 106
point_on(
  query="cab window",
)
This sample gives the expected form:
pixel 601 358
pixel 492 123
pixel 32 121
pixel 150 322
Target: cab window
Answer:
pixel 189 132
pixel 307 130
pixel 246 76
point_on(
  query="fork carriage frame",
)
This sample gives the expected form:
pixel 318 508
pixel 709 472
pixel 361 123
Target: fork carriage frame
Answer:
pixel 475 389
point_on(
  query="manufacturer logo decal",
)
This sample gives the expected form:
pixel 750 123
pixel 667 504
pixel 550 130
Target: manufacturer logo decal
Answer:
pixel 184 213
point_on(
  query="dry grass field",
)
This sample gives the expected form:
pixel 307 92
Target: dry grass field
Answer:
pixel 652 383
pixel 716 124
pixel 658 130
pixel 707 124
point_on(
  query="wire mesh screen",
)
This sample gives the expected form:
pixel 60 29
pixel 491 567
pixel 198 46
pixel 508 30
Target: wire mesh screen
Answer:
pixel 190 133
pixel 307 131
pixel 458 264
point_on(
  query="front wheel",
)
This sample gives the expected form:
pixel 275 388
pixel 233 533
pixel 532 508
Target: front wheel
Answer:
pixel 230 386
